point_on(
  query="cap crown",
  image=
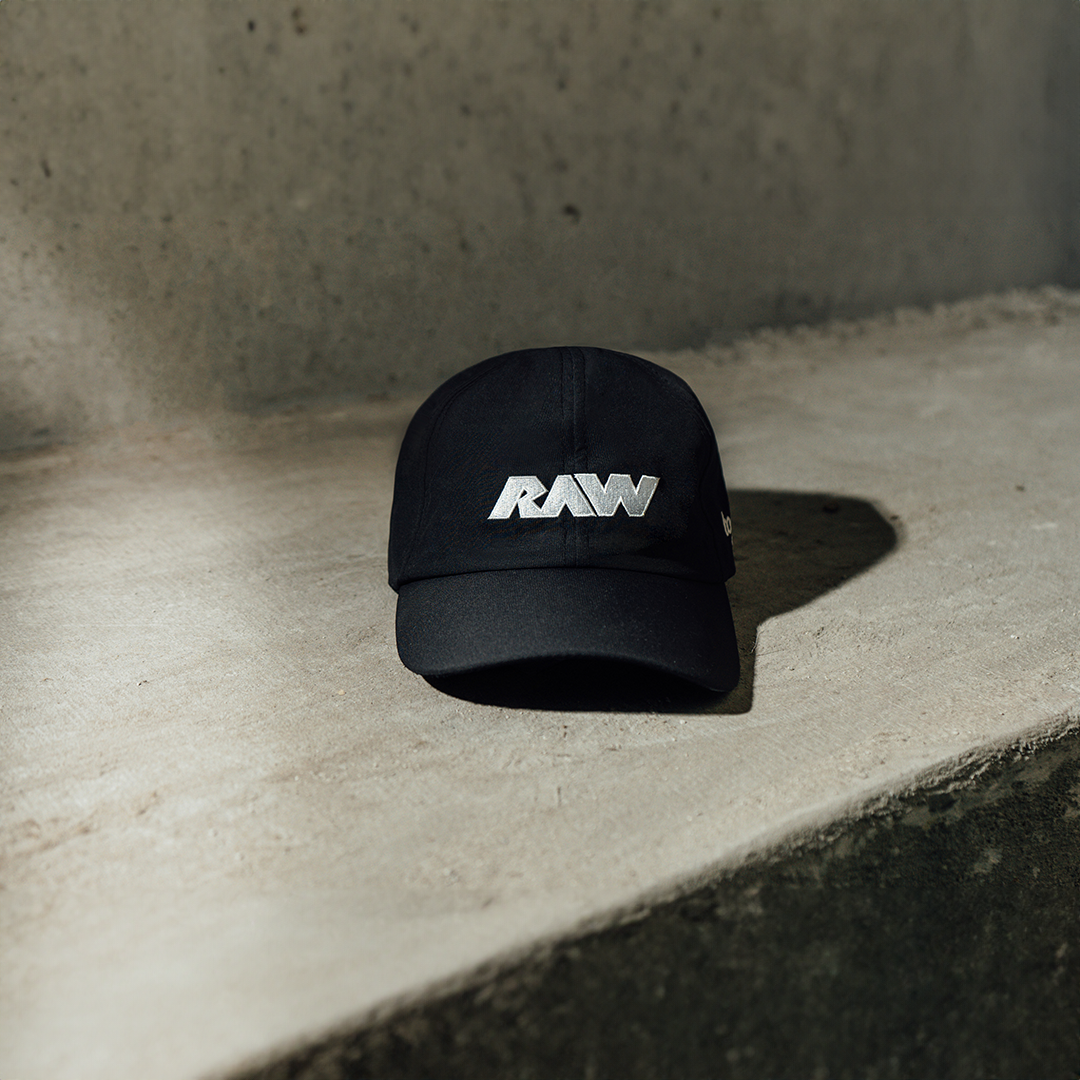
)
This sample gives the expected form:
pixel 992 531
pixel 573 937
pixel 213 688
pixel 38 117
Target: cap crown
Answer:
pixel 509 465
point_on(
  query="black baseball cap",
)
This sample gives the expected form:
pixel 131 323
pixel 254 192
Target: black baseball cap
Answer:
pixel 563 502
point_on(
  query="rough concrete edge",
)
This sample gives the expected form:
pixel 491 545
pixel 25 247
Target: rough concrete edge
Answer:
pixel 243 429
pixel 1041 305
pixel 808 832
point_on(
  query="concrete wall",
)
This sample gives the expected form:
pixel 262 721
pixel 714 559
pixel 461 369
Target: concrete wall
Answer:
pixel 245 203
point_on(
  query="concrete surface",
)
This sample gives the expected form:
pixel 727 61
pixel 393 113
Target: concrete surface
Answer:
pixel 250 203
pixel 935 937
pixel 232 822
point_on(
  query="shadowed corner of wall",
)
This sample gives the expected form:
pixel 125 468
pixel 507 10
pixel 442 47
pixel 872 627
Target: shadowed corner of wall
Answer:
pixel 790 548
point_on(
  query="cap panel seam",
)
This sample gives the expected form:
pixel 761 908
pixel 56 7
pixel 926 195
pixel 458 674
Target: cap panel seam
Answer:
pixel 569 413
pixel 708 518
pixel 579 458
pixel 691 405
pixel 684 393
pixel 421 520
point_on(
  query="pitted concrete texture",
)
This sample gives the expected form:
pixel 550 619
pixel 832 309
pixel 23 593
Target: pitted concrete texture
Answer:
pixel 233 822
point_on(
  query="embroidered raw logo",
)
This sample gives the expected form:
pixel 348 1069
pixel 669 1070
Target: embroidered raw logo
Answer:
pixel 580 493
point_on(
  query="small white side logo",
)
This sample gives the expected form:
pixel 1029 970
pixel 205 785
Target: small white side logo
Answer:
pixel 581 493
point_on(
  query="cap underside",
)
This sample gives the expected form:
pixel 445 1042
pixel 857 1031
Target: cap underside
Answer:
pixel 466 622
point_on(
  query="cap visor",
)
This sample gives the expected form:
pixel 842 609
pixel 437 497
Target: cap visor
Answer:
pixel 465 622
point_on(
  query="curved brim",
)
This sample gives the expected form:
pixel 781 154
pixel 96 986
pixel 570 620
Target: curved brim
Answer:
pixel 466 622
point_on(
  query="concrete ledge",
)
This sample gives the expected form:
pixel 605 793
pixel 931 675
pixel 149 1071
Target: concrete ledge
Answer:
pixel 234 826
pixel 935 936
